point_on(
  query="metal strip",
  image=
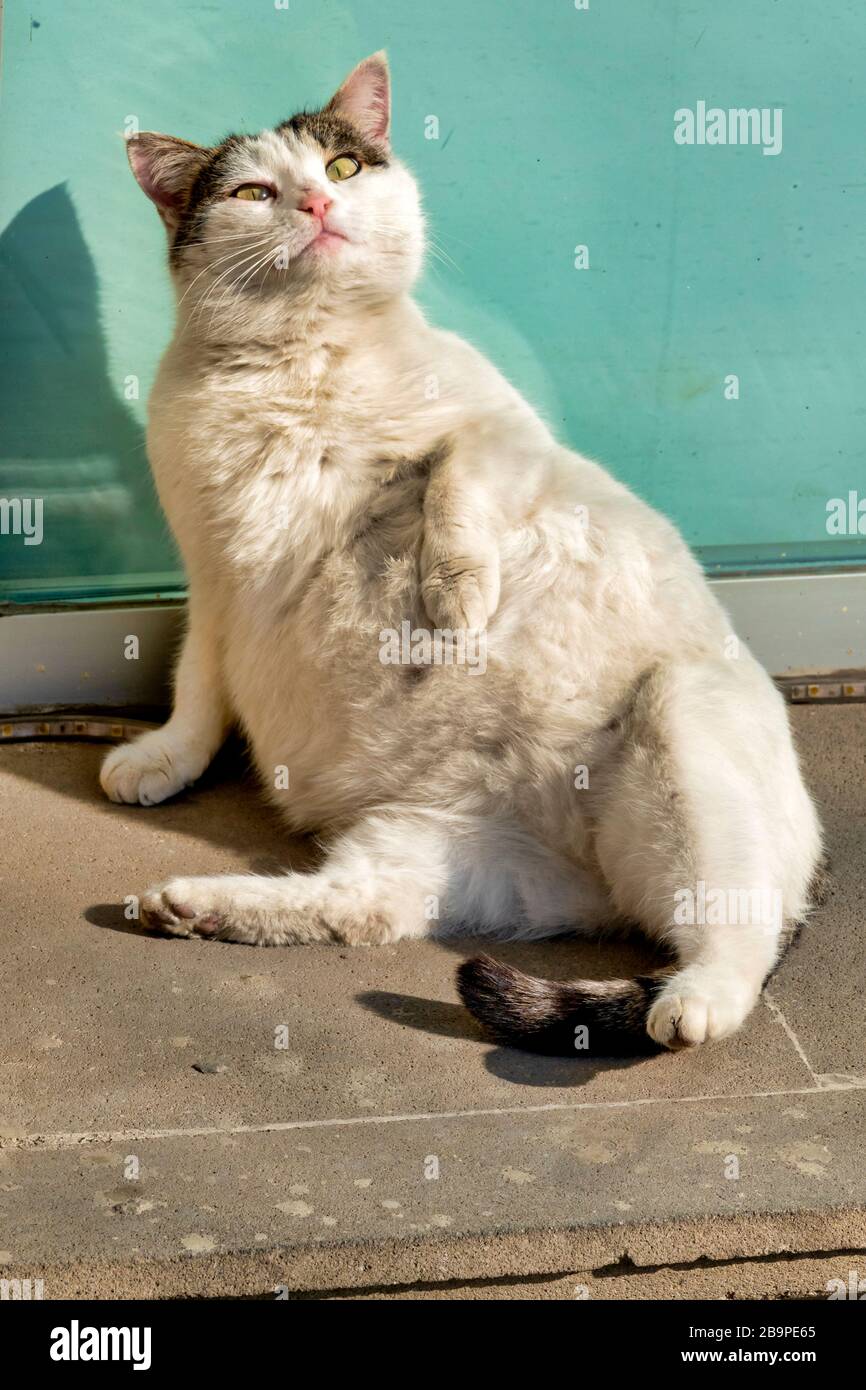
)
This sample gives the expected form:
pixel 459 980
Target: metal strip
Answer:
pixel 91 728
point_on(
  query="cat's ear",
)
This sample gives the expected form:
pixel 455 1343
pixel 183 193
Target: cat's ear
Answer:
pixel 365 98
pixel 166 169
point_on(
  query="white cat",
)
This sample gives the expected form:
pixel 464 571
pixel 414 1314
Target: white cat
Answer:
pixel 333 468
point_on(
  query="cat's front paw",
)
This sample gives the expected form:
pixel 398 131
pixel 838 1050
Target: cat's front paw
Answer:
pixel 700 1004
pixel 224 907
pixel 148 771
pixel 457 597
pixel 183 907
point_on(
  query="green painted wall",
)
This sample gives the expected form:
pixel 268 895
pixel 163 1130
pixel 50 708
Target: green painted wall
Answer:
pixel 556 129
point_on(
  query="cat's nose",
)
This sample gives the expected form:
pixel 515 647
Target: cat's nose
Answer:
pixel 315 203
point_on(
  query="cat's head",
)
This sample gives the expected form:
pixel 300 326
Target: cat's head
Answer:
pixel 317 208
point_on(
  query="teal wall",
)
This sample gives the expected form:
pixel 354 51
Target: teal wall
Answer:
pixel 556 129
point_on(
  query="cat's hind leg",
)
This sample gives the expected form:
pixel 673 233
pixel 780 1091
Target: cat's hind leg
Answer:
pixel 398 872
pixel 708 838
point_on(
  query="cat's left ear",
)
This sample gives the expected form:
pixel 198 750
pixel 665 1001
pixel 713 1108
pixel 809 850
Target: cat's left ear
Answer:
pixel 365 99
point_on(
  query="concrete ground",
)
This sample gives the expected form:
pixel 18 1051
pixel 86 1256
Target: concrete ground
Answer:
pixel 204 1119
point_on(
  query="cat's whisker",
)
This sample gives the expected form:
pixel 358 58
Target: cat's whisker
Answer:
pixel 241 283
pixel 238 285
pixel 437 256
pixel 397 231
pixel 229 236
pixel 237 265
pixel 451 237
pixel 210 266
pixel 438 250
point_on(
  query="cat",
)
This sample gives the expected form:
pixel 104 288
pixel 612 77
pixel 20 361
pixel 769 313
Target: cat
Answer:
pixel 336 470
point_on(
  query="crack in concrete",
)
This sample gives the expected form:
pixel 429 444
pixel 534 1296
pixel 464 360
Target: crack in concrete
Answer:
pixel 777 1015
pixel 51 1142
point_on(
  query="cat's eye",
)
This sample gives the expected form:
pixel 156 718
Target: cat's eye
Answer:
pixel 345 166
pixel 253 192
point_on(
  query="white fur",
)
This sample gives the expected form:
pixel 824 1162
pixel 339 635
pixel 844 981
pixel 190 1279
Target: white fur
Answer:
pixel 279 426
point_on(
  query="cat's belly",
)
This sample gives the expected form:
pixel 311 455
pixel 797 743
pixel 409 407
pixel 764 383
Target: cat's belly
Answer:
pixel 343 709
pixel 330 740
pixel 347 707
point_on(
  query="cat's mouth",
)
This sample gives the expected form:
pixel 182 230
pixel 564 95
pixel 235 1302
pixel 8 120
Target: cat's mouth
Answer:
pixel 327 239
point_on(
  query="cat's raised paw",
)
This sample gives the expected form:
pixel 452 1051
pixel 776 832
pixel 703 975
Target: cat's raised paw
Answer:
pixel 460 600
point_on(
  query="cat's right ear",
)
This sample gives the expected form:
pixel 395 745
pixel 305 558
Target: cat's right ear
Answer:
pixel 166 169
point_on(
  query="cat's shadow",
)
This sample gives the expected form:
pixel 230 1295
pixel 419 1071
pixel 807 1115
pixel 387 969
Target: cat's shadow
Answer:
pixel 112 917
pixel 509 1064
pixel 226 806
pixel 563 958
pixel 69 434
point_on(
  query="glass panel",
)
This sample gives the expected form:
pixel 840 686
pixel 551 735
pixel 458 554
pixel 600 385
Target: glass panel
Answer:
pixel 535 131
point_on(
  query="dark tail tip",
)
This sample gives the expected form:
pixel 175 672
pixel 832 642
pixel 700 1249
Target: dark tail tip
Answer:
pixel 587 1018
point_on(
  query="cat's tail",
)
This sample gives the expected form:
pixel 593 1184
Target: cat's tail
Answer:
pixel 605 1018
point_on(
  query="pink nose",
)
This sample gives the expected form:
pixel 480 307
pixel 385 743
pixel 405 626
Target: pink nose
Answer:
pixel 315 203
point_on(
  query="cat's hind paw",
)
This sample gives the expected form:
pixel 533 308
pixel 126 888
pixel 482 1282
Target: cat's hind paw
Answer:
pixel 699 1004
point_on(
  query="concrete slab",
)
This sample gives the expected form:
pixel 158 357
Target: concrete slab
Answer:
pixel 345 1205
pixel 820 986
pixel 312 1165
